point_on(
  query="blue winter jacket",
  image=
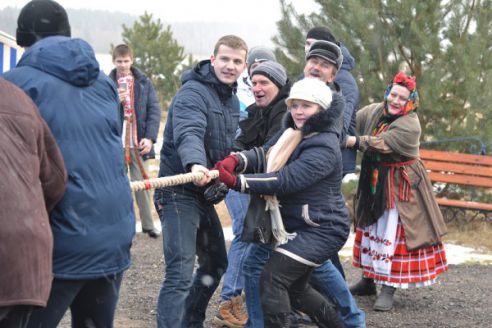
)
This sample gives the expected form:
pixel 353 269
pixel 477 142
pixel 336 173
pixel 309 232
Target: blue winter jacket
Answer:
pixel 351 94
pixel 308 187
pixel 147 108
pixel 201 123
pixel 93 225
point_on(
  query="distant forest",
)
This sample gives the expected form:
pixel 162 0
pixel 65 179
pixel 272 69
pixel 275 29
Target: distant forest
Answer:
pixel 101 28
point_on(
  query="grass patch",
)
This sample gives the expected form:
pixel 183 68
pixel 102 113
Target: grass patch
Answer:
pixel 474 234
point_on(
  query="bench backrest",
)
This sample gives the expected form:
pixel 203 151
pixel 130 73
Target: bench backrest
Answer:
pixel 458 168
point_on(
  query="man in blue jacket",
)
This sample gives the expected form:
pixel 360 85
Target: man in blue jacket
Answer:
pixel 93 225
pixel 200 129
pixel 142 117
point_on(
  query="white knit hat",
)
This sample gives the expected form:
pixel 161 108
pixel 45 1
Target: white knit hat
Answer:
pixel 313 90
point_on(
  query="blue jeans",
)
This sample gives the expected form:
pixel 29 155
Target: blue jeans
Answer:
pixel 253 266
pixel 233 284
pixel 326 279
pixel 91 302
pixel 190 228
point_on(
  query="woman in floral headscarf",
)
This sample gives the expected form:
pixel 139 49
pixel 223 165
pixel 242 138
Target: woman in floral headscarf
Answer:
pixel 398 222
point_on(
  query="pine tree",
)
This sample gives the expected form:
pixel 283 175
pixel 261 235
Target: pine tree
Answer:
pixel 446 44
pixel 157 54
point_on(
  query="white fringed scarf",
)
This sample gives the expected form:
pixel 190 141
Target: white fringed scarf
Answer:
pixel 277 157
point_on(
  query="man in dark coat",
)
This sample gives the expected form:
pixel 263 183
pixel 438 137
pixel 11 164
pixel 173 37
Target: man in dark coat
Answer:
pixel 270 87
pixel 32 181
pixel 200 128
pixel 349 89
pixel 94 224
pixel 141 111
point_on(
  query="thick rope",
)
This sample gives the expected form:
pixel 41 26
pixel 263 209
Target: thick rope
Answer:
pixel 174 180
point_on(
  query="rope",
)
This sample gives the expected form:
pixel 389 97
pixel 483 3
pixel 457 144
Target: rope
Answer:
pixel 174 180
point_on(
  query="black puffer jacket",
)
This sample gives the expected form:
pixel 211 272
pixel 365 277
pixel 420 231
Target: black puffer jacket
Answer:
pixel 147 108
pixel 262 123
pixel 201 124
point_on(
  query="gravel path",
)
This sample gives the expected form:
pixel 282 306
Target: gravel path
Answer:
pixel 463 297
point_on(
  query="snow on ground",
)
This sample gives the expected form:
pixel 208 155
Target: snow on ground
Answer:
pixel 455 254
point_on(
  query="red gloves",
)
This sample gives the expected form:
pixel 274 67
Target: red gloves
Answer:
pixel 226 168
pixel 229 163
pixel 225 176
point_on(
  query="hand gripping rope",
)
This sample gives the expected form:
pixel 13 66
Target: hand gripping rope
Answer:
pixel 174 180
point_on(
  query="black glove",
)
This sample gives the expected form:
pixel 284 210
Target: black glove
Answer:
pixel 215 192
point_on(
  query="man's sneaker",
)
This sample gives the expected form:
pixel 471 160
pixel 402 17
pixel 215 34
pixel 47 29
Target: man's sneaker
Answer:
pixel 226 316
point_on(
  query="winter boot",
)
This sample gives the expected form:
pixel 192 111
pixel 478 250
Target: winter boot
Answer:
pixel 384 302
pixel 276 320
pixel 327 317
pixel 364 287
pixel 238 309
pixel 226 317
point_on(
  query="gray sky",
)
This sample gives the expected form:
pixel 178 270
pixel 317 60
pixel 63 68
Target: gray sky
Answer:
pixel 189 10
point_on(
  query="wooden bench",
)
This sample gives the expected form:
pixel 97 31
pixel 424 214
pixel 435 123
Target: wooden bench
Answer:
pixel 463 170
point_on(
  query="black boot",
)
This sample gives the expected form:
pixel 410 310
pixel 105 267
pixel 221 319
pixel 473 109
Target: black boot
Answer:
pixel 364 287
pixel 384 302
pixel 276 320
pixel 327 317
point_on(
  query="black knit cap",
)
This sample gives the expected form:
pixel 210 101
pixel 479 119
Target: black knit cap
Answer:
pixel 273 71
pixel 39 19
pixel 321 33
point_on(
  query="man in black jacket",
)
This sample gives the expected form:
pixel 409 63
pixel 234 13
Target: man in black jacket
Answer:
pixel 142 117
pixel 270 88
pixel 200 128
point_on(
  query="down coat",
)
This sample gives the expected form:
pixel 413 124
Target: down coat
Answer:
pixel 93 225
pixel 201 124
pixel 308 188
pixel 32 181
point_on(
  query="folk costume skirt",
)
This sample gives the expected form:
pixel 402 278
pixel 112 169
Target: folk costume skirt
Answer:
pixel 380 250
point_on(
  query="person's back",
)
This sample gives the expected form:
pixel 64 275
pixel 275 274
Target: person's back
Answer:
pixel 94 223
pixel 32 181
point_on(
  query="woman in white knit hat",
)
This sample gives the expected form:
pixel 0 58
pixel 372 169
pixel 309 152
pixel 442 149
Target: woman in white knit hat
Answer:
pixel 302 181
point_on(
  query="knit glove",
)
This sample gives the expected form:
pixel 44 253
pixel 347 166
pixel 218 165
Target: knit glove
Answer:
pixel 225 175
pixel 229 163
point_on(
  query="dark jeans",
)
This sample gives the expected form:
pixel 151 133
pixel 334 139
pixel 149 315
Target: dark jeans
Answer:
pixel 15 316
pixel 92 303
pixel 190 228
pixel 284 284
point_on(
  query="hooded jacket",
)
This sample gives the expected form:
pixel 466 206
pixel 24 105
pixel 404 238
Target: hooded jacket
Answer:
pixel 350 92
pixel 147 108
pixel 262 123
pixel 308 187
pixel 201 123
pixel 93 225
pixel 32 181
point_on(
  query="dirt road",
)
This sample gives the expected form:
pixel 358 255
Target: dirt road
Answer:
pixel 461 299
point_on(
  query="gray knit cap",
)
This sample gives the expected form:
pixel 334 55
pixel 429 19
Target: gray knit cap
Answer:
pixel 273 71
pixel 259 54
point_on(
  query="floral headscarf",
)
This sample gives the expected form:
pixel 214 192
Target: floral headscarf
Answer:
pixel 409 83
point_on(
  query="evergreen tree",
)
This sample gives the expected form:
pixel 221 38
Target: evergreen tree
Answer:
pixel 157 54
pixel 446 44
